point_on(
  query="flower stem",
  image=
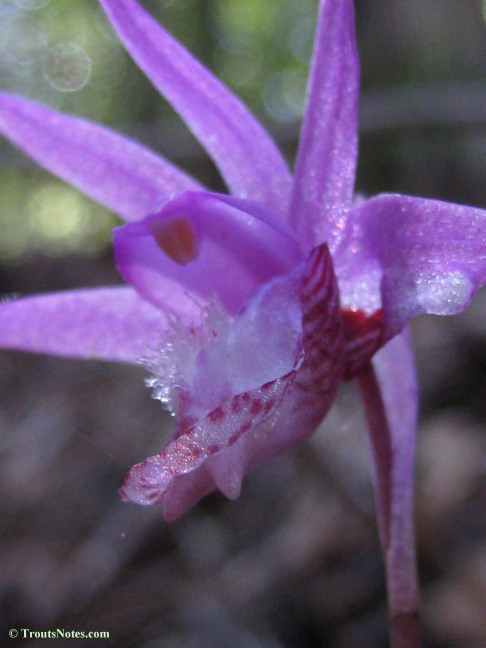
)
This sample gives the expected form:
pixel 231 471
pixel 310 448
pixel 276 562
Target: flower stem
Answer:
pixel 393 468
pixel 404 630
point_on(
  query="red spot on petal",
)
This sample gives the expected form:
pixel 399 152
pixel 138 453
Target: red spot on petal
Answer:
pixel 256 406
pixel 268 406
pixel 212 449
pixel 217 415
pixel 235 406
pixel 177 238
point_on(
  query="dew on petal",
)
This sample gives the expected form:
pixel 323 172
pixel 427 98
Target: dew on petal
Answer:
pixel 67 67
pixel 446 293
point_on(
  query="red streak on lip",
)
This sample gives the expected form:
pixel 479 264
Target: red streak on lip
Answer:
pixel 357 322
pixel 363 335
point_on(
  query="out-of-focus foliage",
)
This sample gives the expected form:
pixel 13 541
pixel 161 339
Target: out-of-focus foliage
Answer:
pixel 416 73
pixel 64 53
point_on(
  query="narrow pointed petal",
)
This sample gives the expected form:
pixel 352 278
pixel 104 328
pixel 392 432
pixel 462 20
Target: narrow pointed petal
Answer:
pixel 205 245
pixel 326 160
pixel 259 424
pixel 249 161
pixel 395 371
pixel 109 168
pixel 411 256
pixel 102 323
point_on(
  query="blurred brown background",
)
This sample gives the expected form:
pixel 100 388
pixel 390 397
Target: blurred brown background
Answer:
pixel 294 563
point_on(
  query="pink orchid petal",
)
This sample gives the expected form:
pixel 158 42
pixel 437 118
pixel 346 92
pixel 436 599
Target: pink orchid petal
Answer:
pixel 326 160
pixel 257 425
pixel 204 244
pixel 394 366
pixel 411 256
pixel 248 159
pixel 102 323
pixel 107 167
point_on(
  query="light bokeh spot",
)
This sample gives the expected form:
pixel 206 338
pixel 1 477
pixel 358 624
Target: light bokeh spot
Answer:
pixel 67 67
pixel 31 4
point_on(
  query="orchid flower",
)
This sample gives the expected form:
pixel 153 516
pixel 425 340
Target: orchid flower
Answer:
pixel 250 309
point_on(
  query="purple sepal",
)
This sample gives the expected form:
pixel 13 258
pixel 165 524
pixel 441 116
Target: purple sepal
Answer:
pixel 325 169
pixel 395 371
pixel 108 167
pixel 248 159
pixel 102 323
pixel 411 256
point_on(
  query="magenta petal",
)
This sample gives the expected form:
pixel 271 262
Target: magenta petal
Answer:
pixel 394 366
pixel 411 256
pixel 248 159
pixel 107 167
pixel 102 323
pixel 204 244
pixel 255 425
pixel 326 160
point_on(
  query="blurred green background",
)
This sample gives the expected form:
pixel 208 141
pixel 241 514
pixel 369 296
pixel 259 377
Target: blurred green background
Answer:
pixel 295 562
pixel 66 55
pixel 422 114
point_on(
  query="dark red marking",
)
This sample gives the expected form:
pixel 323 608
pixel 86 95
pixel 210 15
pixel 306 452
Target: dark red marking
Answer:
pixel 217 415
pixel 268 407
pixel 363 336
pixel 256 406
pixel 318 257
pixel 357 322
pixel 235 406
pixel 212 449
